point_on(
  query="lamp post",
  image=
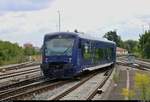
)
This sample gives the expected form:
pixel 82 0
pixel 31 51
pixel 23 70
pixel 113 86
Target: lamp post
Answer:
pixel 59 19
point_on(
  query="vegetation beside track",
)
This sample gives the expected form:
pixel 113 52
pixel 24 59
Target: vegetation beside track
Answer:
pixel 142 85
pixel 139 48
pixel 11 53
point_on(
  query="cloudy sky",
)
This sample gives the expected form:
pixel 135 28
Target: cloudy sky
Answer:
pixel 27 21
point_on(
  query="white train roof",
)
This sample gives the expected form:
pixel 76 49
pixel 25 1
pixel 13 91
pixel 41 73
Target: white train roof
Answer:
pixel 85 36
pixel 90 37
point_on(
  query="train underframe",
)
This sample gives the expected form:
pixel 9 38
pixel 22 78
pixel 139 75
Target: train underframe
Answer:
pixel 61 70
pixel 58 70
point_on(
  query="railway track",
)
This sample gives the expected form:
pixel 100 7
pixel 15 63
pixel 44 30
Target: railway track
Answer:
pixel 141 66
pixel 75 87
pixel 140 62
pixel 17 73
pixel 91 96
pixel 60 95
pixel 18 77
pixel 30 89
pixel 145 60
pixel 38 87
pixel 18 66
pixel 11 86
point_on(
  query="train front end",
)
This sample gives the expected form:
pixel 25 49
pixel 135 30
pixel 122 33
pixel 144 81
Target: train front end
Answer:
pixel 59 56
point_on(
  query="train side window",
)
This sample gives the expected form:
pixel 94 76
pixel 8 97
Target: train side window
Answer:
pixel 111 53
pixel 105 53
pixel 101 54
pixel 96 59
pixel 86 51
pixel 108 53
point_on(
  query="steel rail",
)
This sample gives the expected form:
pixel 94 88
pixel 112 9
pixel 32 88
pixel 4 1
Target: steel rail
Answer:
pixel 18 74
pixel 7 87
pixel 61 95
pixel 24 65
pixel 140 67
pixel 90 97
pixel 20 89
pixel 29 89
pixel 18 71
pixel 15 65
pixel 145 60
pixel 139 61
pixel 40 87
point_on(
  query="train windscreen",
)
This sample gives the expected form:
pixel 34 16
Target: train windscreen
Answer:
pixel 59 46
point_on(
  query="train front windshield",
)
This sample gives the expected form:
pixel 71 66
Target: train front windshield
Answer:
pixel 59 46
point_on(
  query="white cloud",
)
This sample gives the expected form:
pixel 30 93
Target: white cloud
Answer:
pixel 94 16
pixel 23 5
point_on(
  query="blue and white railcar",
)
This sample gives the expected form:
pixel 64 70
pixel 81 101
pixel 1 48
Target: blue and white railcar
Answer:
pixel 67 54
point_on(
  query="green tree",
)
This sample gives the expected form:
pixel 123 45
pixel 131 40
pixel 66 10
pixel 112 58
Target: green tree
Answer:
pixel 131 45
pixel 144 44
pixel 10 53
pixel 112 35
pixel 29 51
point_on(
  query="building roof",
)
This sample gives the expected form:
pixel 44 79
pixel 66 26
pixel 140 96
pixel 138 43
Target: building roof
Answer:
pixel 121 49
pixel 28 45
